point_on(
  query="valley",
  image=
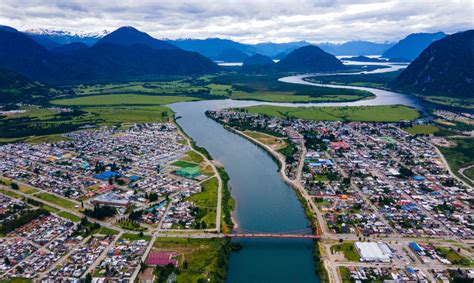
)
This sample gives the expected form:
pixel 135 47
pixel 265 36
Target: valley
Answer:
pixel 125 157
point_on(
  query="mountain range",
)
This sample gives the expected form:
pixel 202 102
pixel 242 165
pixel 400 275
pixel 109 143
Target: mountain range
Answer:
pixel 309 58
pixel 444 68
pixel 355 48
pixel 63 37
pixel 124 54
pixel 411 46
pixel 213 47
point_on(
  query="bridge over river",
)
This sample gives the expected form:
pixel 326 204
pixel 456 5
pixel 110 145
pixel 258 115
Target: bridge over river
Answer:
pixel 299 234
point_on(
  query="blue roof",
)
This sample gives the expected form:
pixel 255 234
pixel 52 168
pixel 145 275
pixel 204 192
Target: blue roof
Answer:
pixel 418 178
pixel 106 175
pixel 134 178
pixel 414 246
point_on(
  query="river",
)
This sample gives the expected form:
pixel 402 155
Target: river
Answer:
pixel 264 202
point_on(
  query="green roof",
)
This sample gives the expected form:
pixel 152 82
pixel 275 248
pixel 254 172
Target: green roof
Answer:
pixel 189 170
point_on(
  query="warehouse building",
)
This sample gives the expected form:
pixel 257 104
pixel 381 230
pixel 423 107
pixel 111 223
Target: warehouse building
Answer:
pixel 378 252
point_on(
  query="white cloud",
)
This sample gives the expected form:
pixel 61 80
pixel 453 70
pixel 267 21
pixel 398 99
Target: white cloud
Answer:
pixel 247 21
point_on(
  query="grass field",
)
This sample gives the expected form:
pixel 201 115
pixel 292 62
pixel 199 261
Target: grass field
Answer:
pixel 386 113
pixel 69 216
pixel 193 157
pixel 16 280
pixel 56 200
pixel 422 129
pixel 345 274
pixel 206 201
pixel 205 258
pixel 236 86
pixel 267 139
pixel 182 163
pixel 49 208
pixel 348 249
pixel 291 97
pixel 268 88
pixel 443 100
pixel 459 156
pixel 453 256
pixel 11 194
pixel 469 173
pixel 121 99
pixel 133 114
pixel 22 188
pixel 105 231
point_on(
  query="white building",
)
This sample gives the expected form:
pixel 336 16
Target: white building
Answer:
pixel 369 251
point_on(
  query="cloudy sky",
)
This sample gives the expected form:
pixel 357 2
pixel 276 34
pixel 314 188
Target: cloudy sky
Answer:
pixel 247 21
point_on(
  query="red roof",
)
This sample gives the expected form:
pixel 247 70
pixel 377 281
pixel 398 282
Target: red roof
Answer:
pixel 339 145
pixel 161 258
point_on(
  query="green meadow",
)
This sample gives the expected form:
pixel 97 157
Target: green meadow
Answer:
pixel 385 113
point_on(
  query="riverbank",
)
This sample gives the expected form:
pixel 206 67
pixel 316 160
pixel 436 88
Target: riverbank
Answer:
pixel 320 266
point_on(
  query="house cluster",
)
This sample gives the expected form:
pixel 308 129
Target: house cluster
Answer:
pixel 107 166
pixel 122 259
pixel 35 246
pixel 14 251
pixel 87 160
pixel 372 177
pixel 384 274
pixel 81 259
pixel 44 229
pixel 10 209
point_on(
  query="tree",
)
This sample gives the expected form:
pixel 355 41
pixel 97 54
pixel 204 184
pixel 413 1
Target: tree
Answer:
pixel 88 278
pixel 14 186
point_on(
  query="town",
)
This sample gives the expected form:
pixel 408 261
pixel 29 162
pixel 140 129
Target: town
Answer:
pixel 386 206
pixel 89 203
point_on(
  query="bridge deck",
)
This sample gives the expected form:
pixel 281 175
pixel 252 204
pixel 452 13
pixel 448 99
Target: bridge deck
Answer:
pixel 265 235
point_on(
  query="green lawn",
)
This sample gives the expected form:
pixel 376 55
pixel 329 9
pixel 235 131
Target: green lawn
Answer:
pixel 206 201
pixel 348 249
pixel 208 196
pixel 56 200
pixel 11 194
pixel 205 258
pixel 122 99
pixel 386 113
pixel 22 188
pixel 422 129
pixel 105 231
pixel 193 157
pixel 182 163
pixel 49 208
pixel 459 156
pixel 16 280
pixel 345 274
pixel 469 173
pixel 67 215
pixel 453 256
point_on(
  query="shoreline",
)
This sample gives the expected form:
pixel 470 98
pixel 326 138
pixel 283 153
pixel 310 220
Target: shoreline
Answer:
pixel 321 268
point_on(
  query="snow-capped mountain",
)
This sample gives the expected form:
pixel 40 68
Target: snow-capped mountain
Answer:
pixel 65 37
